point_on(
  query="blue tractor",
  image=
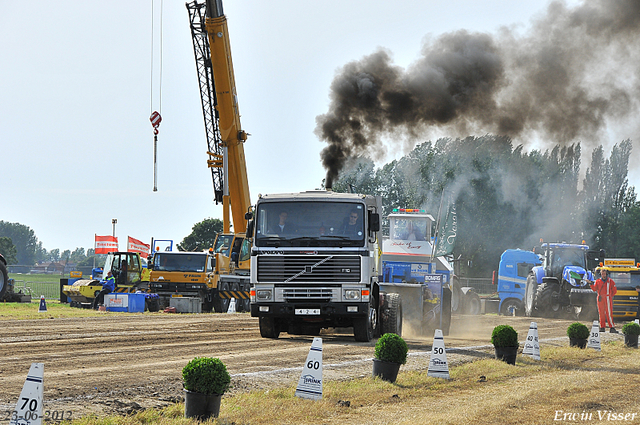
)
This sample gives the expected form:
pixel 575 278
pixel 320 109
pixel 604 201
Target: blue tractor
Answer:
pixel 560 286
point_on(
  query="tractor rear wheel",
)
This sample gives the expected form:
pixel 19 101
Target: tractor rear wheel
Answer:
pixel 4 279
pixel 457 297
pixel 472 304
pixel 530 294
pixel 446 311
pixel 547 299
pixel 393 324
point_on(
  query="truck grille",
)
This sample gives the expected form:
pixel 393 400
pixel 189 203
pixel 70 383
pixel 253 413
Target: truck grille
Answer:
pixel 308 268
pixel 307 294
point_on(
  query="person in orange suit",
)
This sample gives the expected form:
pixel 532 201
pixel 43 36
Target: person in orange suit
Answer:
pixel 606 289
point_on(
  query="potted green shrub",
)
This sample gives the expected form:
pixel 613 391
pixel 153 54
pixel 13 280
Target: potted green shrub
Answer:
pixel 205 379
pixel 578 334
pixel 505 342
pixel 631 331
pixel 390 354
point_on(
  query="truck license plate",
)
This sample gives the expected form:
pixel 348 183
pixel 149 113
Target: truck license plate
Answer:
pixel 308 311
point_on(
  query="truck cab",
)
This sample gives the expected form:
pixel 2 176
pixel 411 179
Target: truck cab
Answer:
pixel 180 274
pixel 314 263
pixel 515 266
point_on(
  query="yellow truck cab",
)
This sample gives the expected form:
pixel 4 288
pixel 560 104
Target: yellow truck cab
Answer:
pixel 625 272
pixel 180 274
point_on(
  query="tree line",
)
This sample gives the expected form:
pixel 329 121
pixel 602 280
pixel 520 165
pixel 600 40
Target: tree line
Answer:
pixel 509 198
pixel 505 198
pixel 19 245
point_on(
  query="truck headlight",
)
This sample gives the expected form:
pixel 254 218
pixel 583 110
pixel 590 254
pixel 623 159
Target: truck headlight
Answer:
pixel 352 294
pixel 263 294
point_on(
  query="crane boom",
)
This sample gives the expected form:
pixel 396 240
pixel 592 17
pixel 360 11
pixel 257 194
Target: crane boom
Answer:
pixel 225 137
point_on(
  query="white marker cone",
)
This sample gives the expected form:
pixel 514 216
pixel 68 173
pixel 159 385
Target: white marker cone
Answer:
pixel 232 306
pixel 43 305
pixel 594 338
pixel 310 384
pixel 29 407
pixel 531 345
pixel 438 366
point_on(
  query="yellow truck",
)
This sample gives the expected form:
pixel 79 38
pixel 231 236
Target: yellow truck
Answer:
pixel 625 272
pixel 210 276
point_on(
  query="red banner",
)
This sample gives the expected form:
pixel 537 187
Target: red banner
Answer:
pixel 106 244
pixel 134 245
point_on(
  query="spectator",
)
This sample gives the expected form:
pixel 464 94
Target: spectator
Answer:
pixel 606 289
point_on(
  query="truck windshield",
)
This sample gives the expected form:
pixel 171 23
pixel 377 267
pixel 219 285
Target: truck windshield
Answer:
pixel 179 262
pixel 625 279
pixel 310 224
pixel 409 229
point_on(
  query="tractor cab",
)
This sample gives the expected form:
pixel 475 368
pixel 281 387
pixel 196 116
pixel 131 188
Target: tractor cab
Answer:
pixel 126 268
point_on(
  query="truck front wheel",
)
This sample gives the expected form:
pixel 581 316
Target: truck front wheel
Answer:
pixel 221 305
pixel 269 328
pixel 364 329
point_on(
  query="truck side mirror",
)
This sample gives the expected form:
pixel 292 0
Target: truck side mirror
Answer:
pixel 248 216
pixel 249 229
pixel 374 222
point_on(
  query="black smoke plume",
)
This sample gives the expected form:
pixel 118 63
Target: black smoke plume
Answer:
pixel 575 72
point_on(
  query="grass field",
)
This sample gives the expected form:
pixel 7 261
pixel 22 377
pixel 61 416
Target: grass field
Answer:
pixel 38 284
pixel 55 309
pixel 567 383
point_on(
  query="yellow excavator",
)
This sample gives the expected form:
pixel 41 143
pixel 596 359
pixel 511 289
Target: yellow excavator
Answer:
pixel 225 149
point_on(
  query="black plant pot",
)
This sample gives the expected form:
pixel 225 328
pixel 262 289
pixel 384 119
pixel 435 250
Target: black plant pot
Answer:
pixel 201 406
pixel 507 354
pixel 386 370
pixel 631 341
pixel 578 342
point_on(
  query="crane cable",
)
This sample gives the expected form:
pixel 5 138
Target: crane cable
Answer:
pixel 156 117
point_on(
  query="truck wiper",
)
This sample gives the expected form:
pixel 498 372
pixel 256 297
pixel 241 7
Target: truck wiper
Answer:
pixel 303 238
pixel 342 238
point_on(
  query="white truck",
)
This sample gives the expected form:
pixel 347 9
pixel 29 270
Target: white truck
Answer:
pixel 315 264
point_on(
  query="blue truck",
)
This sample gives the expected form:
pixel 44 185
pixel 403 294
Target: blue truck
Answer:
pixel 515 266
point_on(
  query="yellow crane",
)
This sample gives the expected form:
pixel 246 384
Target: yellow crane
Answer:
pixel 225 142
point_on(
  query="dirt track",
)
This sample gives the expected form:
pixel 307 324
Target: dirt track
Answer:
pixel 119 363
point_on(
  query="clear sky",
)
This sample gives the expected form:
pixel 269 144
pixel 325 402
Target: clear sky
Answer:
pixel 76 93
